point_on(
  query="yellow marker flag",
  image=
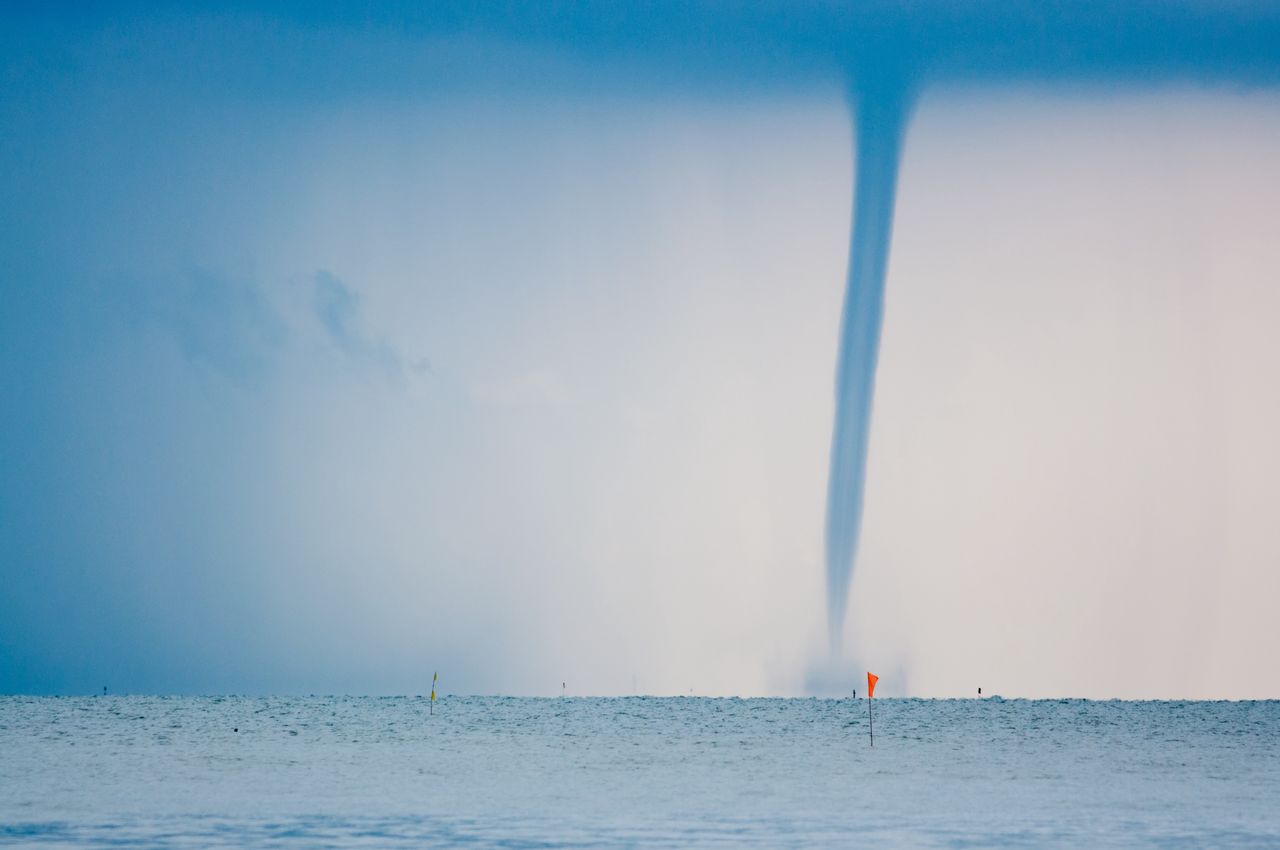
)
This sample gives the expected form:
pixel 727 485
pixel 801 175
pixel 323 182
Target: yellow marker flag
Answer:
pixel 434 676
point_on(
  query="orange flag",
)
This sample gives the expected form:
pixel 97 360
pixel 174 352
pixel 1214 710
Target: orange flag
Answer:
pixel 872 678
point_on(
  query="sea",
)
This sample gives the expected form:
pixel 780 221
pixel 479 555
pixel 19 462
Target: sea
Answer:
pixel 347 772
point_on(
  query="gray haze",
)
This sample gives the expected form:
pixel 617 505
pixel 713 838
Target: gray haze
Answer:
pixel 339 347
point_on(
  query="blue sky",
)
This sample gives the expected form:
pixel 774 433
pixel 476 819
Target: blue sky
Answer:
pixel 340 348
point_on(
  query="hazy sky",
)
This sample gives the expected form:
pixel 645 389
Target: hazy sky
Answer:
pixel 334 354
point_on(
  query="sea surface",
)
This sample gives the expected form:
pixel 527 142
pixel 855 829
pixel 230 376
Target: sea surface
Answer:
pixel 637 771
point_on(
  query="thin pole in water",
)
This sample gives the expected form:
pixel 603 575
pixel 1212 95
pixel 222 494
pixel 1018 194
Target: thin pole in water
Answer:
pixel 872 678
pixel 434 676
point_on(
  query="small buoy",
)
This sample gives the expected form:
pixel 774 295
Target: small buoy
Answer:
pixel 237 729
pixel 979 691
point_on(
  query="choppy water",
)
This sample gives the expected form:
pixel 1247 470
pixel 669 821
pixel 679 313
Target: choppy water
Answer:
pixel 366 772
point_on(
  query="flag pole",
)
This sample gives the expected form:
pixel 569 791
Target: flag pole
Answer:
pixel 872 678
pixel 434 676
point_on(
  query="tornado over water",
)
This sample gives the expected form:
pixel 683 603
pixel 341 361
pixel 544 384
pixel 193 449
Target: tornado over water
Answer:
pixel 879 113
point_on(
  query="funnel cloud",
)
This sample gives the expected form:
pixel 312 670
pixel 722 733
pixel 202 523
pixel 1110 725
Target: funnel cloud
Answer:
pixel 880 112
